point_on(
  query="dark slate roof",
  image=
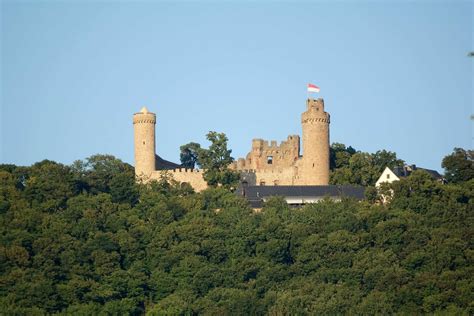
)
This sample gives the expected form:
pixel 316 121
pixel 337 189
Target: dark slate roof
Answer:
pixel 407 170
pixel 401 172
pixel 433 173
pixel 162 164
pixel 256 194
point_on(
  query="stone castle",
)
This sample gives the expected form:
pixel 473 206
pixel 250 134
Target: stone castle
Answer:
pixel 266 164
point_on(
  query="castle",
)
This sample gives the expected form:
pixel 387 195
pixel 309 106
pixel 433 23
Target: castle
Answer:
pixel 266 163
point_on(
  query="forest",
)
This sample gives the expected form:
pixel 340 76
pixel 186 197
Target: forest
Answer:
pixel 86 239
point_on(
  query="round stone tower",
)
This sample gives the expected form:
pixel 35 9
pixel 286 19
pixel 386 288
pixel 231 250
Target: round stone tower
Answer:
pixel 315 162
pixel 144 129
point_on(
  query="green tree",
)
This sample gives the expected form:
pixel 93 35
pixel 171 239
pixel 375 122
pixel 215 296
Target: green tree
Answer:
pixel 360 168
pixel 216 161
pixel 339 155
pixel 361 171
pixel 50 184
pixel 97 172
pixel 384 158
pixel 189 155
pixel 123 188
pixel 175 252
pixel 459 166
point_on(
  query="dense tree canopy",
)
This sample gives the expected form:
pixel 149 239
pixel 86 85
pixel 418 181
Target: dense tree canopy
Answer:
pixel 73 241
pixel 349 166
pixel 459 166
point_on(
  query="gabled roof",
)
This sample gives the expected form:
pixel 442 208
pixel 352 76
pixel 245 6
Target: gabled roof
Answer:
pixel 433 173
pixel 400 172
pixel 405 171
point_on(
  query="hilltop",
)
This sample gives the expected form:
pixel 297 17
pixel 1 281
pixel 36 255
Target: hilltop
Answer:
pixel 87 239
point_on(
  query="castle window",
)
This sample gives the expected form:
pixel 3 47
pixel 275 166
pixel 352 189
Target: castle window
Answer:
pixel 275 182
pixel 143 142
pixel 269 160
pixel 262 183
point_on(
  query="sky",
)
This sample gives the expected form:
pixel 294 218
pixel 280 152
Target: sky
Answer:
pixel 393 75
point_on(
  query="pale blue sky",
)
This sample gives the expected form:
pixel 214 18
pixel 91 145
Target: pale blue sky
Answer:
pixel 394 75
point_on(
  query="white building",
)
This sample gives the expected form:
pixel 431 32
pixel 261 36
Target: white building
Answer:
pixel 389 175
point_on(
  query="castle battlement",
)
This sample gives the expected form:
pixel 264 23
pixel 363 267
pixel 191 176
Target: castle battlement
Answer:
pixel 192 176
pixel 315 104
pixel 261 144
pixel 267 163
pixel 185 170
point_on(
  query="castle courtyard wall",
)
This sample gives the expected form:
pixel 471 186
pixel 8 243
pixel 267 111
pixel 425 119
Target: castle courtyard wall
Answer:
pixel 192 176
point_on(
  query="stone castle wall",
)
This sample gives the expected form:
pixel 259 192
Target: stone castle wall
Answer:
pixel 270 155
pixel 192 176
pixel 266 164
pixel 273 176
pixel 271 164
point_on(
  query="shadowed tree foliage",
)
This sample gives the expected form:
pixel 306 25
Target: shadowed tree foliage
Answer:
pixel 339 155
pixel 189 155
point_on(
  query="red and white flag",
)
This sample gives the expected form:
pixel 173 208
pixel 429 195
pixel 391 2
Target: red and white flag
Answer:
pixel 313 88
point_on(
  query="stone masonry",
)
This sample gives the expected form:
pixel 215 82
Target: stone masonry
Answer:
pixel 270 164
pixel 266 164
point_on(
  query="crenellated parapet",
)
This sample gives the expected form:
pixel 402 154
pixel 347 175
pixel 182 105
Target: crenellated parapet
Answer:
pixel 185 170
pixel 282 163
pixel 183 175
pixel 315 112
pixel 292 141
pixel 270 154
pixel 144 116
pixel 267 163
